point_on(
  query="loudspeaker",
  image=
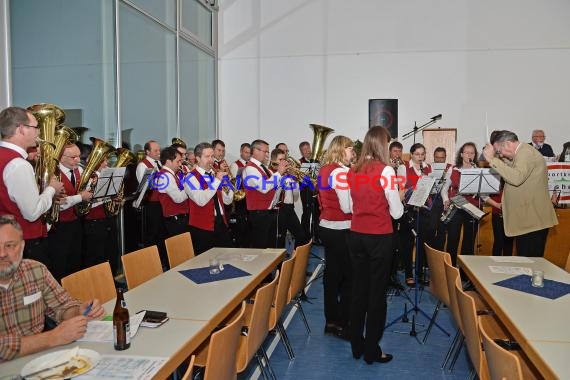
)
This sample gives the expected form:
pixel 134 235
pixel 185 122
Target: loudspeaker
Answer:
pixel 384 112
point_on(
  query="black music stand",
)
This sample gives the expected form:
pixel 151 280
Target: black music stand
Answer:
pixel 109 183
pixel 139 195
pixel 418 199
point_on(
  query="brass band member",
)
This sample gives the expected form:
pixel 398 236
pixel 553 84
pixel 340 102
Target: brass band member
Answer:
pixel 287 219
pixel 310 215
pixel 241 231
pixel 371 244
pixel 208 221
pixel 334 229
pixel 439 157
pixel 185 165
pixel 238 165
pixel 219 148
pixel 65 238
pixel 461 219
pixel 19 195
pixel 172 197
pixel 260 186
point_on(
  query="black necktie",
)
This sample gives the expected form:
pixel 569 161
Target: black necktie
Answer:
pixel 72 177
pixel 267 172
pixel 216 200
pixel 157 164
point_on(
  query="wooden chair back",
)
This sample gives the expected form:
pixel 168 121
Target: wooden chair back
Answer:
pixel 502 363
pixel 142 265
pixel 190 369
pixel 281 292
pixel 451 277
pixel 256 323
pixel 567 267
pixel 93 282
pixel 438 281
pixel 471 331
pixel 179 249
pixel 299 276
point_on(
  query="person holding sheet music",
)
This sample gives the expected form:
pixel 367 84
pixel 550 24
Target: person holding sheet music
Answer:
pixel 414 169
pixel 461 220
pixel 527 209
pixel 172 197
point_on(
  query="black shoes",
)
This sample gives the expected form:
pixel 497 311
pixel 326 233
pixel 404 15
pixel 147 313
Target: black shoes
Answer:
pixel 338 331
pixel 381 358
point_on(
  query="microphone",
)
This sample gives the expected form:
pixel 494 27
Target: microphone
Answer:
pixel 436 117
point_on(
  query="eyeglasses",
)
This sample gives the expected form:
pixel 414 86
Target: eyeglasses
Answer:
pixel 31 126
pixel 264 151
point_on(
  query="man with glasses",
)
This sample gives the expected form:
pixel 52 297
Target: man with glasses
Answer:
pixel 19 194
pixel 66 237
pixel 539 144
pixel 29 293
pixel 527 210
pixel 260 186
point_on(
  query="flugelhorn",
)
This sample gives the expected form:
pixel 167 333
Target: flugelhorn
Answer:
pixel 239 194
pixel 124 158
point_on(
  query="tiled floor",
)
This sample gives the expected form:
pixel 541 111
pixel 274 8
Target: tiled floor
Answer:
pixel 325 357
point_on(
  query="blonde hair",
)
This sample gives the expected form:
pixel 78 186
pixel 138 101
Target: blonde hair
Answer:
pixel 335 151
pixel 374 147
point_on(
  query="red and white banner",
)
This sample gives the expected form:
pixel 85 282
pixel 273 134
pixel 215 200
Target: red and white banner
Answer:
pixel 559 180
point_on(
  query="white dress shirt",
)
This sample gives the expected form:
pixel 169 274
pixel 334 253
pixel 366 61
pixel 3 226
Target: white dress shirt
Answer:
pixel 339 183
pixel 171 189
pixel 141 167
pixel 19 179
pixel 234 168
pixel 201 197
pixel 392 194
pixel 70 200
pixel 255 180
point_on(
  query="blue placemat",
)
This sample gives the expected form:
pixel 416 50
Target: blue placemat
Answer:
pixel 202 275
pixel 552 289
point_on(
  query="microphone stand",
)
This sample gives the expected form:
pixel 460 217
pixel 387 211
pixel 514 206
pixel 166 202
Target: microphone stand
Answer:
pixel 416 129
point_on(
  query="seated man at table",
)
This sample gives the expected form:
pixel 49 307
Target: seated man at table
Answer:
pixel 28 292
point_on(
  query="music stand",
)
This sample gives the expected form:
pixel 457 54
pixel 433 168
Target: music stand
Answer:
pixel 418 199
pixel 139 195
pixel 477 181
pixel 109 183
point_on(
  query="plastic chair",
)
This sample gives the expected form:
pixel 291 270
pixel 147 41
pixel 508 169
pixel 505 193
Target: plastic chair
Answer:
pixel 93 282
pixel 255 330
pixel 438 282
pixel 142 265
pixel 279 302
pixel 219 355
pixel 179 249
pixel 299 280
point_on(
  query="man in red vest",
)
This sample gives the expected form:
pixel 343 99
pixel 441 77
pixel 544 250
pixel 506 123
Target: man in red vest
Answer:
pixel 260 185
pixel 173 199
pixel 241 231
pixel 19 195
pixel 208 221
pixel 65 237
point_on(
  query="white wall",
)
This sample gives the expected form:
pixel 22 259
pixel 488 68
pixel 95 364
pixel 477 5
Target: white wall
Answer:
pixel 285 64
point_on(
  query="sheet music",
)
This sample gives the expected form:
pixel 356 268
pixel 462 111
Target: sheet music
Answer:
pixel 510 270
pixel 477 180
pixel 143 187
pixel 109 182
pixel 102 331
pixel 437 170
pixel 422 191
pixel 125 367
pixel 512 259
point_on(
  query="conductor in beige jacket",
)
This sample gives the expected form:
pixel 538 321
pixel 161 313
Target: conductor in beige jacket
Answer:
pixel 527 210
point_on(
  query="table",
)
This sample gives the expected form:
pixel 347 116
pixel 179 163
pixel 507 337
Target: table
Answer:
pixel 538 324
pixel 194 310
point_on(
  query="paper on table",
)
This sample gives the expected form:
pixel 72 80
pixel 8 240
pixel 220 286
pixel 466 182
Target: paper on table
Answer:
pixel 125 367
pixel 510 270
pixel 102 331
pixel 512 259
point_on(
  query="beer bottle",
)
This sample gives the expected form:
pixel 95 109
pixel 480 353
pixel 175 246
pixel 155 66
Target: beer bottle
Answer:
pixel 121 324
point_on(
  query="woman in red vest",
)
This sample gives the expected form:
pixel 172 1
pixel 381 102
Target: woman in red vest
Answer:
pixel 375 200
pixel 334 227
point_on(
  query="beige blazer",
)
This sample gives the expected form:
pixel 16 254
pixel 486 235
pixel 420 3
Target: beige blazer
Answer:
pixel 526 203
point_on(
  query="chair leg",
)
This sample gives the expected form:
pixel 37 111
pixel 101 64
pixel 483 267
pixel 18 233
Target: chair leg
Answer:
pixel 285 340
pixel 460 346
pixel 432 321
pixel 267 363
pixel 303 316
pixel 451 349
pixel 260 365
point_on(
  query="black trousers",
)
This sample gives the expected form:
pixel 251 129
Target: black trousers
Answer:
pixel 311 213
pixel 203 240
pixel 532 244
pixel 154 231
pixel 176 225
pixel 263 228
pixel 38 249
pixel 337 278
pixel 65 243
pixel 502 244
pixel 371 257
pixel 438 241
pixel 426 232
pixel 287 220
pixel 241 229
pixel 461 220
pixel 100 243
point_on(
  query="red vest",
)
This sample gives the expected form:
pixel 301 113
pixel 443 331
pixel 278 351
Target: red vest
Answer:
pixel 240 164
pixel 256 200
pixel 204 217
pixel 96 213
pixel 32 230
pixel 454 188
pixel 68 215
pixel 169 207
pixel 328 200
pixel 370 209
pixel 411 176
pixel 152 195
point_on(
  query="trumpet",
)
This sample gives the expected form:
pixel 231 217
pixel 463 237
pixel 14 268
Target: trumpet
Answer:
pixel 396 162
pixel 239 194
pixel 124 158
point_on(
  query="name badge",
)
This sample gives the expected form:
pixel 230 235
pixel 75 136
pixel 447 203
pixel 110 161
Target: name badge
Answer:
pixel 32 298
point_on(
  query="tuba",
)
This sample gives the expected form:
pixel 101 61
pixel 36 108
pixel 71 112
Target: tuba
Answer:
pixel 179 141
pixel 124 158
pixel 320 134
pixel 98 154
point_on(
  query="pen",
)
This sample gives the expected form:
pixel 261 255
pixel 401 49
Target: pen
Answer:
pixel 88 309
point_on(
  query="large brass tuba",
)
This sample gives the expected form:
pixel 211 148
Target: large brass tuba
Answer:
pixel 179 141
pixel 320 134
pixel 99 153
pixel 124 158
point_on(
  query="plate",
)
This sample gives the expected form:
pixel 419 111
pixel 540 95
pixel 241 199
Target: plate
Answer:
pixel 80 361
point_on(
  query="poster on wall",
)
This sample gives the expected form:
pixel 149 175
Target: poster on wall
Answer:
pixel 559 181
pixel 384 112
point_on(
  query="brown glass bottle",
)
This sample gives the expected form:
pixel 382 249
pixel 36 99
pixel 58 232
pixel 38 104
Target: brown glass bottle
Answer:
pixel 121 324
